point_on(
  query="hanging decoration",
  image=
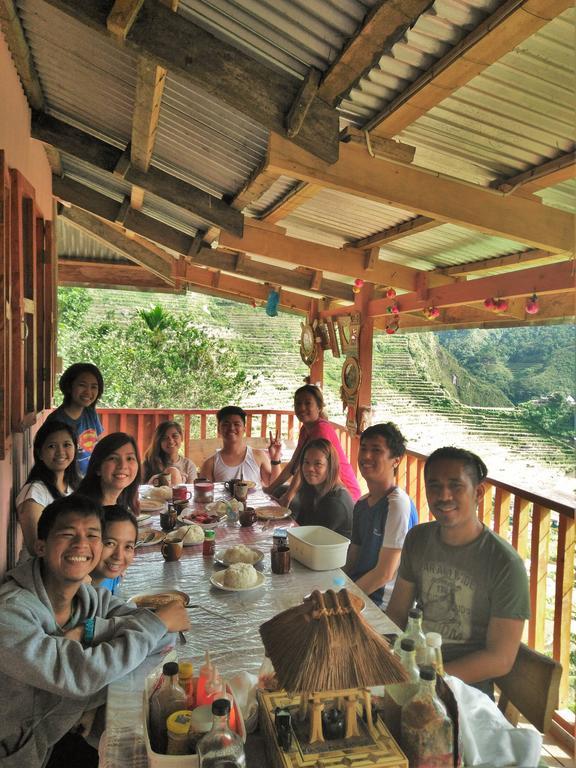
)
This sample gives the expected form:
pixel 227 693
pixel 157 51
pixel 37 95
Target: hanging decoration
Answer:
pixel 532 306
pixel 358 283
pixel 272 303
pixel 496 305
pixel 393 309
pixel 393 325
pixel 431 313
pixel 390 293
pixel 308 348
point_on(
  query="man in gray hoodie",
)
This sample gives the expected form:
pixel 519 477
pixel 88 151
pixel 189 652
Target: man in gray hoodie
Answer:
pixel 63 641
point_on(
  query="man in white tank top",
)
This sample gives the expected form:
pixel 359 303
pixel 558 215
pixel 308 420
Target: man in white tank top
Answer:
pixel 237 459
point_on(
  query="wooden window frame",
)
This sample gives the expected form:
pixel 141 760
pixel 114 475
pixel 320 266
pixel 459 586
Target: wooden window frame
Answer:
pixel 5 309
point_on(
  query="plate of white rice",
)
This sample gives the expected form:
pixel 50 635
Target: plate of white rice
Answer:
pixel 238 577
pixel 239 554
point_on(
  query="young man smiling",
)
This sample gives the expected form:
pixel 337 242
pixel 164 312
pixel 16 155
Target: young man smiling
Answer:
pixel 383 517
pixel 470 583
pixel 237 459
pixel 61 640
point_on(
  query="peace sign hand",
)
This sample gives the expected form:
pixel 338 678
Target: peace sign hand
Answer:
pixel 274 447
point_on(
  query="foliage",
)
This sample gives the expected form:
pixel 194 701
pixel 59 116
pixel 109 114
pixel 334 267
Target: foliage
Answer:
pixel 155 360
pixel 73 305
pixel 554 414
pixel 525 363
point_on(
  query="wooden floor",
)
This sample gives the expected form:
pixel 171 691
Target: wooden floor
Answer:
pixel 554 755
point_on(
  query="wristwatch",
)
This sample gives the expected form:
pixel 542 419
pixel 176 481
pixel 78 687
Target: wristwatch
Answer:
pixel 89 631
pixel 275 462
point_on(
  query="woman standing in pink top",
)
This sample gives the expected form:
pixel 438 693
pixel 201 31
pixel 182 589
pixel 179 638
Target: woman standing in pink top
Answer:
pixel 309 409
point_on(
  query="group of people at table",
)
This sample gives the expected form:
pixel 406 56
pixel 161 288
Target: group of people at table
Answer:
pixel 64 639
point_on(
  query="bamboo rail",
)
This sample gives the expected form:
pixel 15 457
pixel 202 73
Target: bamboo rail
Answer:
pixel 540 529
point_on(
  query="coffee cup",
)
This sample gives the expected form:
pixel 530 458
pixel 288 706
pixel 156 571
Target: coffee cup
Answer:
pixel 241 488
pixel 180 494
pixel 203 490
pixel 172 550
pixel 229 485
pixel 247 517
pixel 280 560
pixel 168 518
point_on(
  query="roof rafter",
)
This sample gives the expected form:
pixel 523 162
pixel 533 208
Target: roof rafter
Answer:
pixel 389 235
pixel 511 260
pixel 384 25
pixel 554 278
pixel 101 154
pixel 98 205
pixel 276 245
pixel 427 194
pixel 510 24
pixel 539 177
pixel 220 69
pixel 12 28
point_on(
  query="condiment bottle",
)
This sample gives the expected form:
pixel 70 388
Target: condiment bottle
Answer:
pixel 209 546
pixel 221 747
pixel 200 723
pixel 223 694
pixel 177 726
pixel 186 681
pixel 167 698
pixel 434 652
pixel 213 687
pixel 205 674
pixel 279 538
pixel 403 692
pixel 427 734
pixel 414 630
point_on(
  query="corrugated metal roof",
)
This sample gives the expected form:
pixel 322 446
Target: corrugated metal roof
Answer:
pixel 72 243
pixel 561 196
pixel 274 194
pixel 516 114
pixel 205 143
pixel 84 76
pixel 335 218
pixel 288 34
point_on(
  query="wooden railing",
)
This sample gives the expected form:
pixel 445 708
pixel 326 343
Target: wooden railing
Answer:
pixel 540 529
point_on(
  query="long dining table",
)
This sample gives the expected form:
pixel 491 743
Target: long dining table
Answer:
pixel 225 623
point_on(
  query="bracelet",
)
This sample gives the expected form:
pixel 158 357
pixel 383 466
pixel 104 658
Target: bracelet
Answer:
pixel 275 462
pixel 89 631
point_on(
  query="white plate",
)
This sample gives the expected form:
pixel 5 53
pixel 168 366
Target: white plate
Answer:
pixel 144 519
pixel 272 512
pixel 185 520
pixel 152 505
pixel 156 537
pixel 147 598
pixel 179 535
pixel 219 555
pixel 218 580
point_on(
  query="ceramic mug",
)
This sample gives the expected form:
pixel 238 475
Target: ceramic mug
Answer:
pixel 180 494
pixel 247 517
pixel 241 490
pixel 168 518
pixel 280 560
pixel 172 550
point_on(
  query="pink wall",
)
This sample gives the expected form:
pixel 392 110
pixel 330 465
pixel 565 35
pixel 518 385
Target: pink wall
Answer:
pixel 27 156
pixel 22 152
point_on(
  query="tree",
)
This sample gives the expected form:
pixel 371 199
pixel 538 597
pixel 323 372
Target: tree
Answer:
pixel 154 359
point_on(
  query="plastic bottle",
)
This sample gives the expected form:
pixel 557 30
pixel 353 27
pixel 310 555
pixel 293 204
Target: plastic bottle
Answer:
pixel 434 652
pixel 427 734
pixel 205 674
pixel 177 726
pixel 169 697
pixel 213 688
pixel 221 747
pixel 414 630
pixel 186 681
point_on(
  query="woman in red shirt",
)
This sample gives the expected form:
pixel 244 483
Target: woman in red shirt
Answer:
pixel 309 409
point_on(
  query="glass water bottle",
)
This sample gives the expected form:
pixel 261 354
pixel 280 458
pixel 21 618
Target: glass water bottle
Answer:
pixel 221 747
pixel 427 734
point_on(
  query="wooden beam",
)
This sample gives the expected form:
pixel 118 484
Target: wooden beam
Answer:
pixel 92 274
pixel 424 193
pixel 122 16
pixel 119 241
pixel 223 71
pixel 258 184
pixel 377 146
pixel 150 82
pixel 99 153
pixel 386 23
pixel 304 98
pixel 510 24
pixel 556 278
pixel 274 245
pixel 539 177
pixel 508 262
pixel 390 234
pixel 293 200
pixel 16 40
pixel 103 207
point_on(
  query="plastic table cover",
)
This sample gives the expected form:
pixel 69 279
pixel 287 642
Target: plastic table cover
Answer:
pixel 229 631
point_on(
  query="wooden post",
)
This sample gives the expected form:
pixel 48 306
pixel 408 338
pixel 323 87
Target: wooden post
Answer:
pixel 563 600
pixel 538 573
pixel 317 367
pixel 361 304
